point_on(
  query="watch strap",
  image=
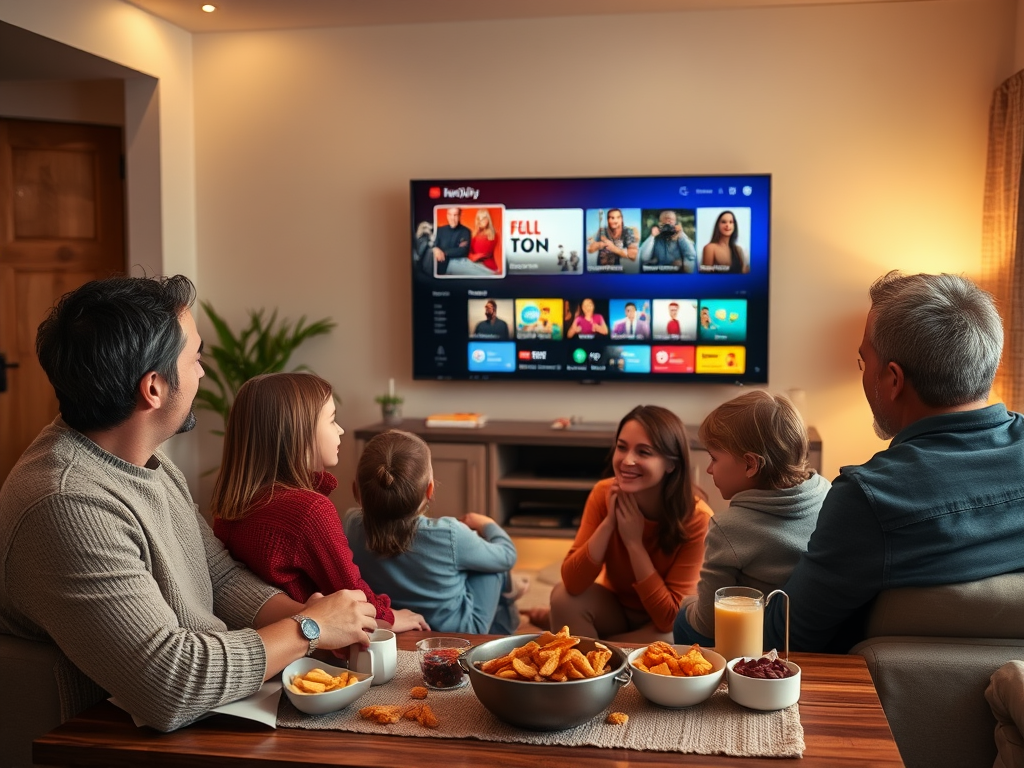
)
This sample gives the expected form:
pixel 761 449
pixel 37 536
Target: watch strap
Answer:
pixel 312 636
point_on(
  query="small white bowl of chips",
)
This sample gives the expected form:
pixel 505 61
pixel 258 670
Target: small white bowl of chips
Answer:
pixel 676 676
pixel 317 688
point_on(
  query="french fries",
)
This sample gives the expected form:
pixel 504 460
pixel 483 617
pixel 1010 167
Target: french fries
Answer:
pixel 549 658
pixel 660 658
pixel 319 681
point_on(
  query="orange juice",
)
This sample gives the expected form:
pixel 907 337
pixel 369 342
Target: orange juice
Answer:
pixel 739 625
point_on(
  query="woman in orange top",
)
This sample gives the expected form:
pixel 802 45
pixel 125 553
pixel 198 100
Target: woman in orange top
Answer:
pixel 640 545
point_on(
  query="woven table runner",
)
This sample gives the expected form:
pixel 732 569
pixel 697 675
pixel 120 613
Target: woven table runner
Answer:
pixel 717 726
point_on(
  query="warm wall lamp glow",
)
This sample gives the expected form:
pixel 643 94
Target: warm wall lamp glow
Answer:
pixel 209 8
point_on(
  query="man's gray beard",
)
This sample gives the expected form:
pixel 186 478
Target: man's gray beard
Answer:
pixel 189 423
pixel 883 431
pixel 880 431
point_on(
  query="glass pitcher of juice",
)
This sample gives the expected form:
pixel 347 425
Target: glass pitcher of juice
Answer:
pixel 739 622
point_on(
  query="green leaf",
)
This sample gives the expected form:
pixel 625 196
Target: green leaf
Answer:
pixel 263 345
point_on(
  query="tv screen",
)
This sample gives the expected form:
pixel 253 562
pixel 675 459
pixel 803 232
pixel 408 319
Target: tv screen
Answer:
pixel 653 278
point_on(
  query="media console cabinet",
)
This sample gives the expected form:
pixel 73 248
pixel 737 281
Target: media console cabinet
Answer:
pixel 532 479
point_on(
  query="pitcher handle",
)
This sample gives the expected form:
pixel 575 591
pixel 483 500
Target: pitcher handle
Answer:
pixel 768 600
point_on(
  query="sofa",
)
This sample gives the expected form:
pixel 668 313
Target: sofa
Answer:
pixel 931 652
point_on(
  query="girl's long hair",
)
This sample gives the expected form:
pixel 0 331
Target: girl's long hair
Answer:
pixel 392 475
pixel 270 441
pixel 668 438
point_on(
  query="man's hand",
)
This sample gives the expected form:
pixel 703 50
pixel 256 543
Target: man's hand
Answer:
pixel 344 618
pixel 438 254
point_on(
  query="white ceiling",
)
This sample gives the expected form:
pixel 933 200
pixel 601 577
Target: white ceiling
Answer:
pixel 239 15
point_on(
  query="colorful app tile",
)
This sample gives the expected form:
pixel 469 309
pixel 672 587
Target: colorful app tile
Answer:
pixel 630 319
pixel 635 358
pixel 539 319
pixel 470 241
pixel 613 240
pixel 672 359
pixel 544 241
pixel 721 360
pixel 491 319
pixel 674 319
pixel 722 320
pixel 492 357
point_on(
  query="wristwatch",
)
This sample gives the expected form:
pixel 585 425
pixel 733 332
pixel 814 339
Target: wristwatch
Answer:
pixel 310 630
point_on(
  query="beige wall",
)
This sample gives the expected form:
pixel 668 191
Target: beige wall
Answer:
pixel 871 118
pixel 157 114
pixel 286 185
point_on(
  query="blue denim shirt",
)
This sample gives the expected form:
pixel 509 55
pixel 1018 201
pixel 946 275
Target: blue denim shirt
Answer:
pixel 943 504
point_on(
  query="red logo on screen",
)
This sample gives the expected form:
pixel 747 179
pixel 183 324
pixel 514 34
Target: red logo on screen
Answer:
pixel 524 354
pixel 434 192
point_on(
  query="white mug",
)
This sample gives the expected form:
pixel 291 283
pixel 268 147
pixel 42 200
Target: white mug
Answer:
pixel 380 659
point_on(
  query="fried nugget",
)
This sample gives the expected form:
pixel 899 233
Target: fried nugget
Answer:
pixel 382 714
pixel 617 718
pixel 427 718
pixel 419 692
pixel 309 686
pixel 319 676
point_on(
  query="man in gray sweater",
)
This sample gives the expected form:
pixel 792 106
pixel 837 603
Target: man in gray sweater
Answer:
pixel 102 550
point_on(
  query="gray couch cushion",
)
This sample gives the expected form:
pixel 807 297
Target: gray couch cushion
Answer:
pixel 933 692
pixel 991 607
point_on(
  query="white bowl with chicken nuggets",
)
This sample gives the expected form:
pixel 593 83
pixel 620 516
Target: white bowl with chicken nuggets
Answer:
pixel 546 682
pixel 676 676
pixel 317 688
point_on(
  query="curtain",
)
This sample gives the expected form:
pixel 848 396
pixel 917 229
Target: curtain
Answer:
pixel 1002 250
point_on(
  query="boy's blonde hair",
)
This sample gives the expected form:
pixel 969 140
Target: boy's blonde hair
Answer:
pixel 392 476
pixel 767 426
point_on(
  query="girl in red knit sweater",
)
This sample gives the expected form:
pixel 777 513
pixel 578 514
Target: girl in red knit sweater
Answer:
pixel 270 504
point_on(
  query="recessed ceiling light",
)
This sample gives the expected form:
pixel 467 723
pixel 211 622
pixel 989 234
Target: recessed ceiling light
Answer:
pixel 209 8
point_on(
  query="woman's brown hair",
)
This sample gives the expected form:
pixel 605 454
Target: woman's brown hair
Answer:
pixel 766 425
pixel 269 440
pixel 392 475
pixel 668 438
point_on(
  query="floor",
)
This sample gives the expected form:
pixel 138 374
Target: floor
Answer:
pixel 540 560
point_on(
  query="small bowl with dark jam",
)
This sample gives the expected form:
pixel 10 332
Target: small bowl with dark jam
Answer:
pixel 439 662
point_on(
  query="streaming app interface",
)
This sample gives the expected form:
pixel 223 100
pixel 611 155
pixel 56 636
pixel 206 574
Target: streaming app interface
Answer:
pixel 655 278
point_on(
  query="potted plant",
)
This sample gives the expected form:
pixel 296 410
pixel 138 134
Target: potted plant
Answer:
pixel 264 346
pixel 390 405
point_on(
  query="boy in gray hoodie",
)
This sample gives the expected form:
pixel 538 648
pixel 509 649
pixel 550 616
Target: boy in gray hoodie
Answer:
pixel 758 448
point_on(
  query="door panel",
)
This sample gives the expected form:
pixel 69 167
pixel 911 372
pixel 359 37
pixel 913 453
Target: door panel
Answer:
pixel 61 225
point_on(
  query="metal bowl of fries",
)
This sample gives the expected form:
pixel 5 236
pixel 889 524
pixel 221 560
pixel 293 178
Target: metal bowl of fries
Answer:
pixel 340 686
pixel 554 702
pixel 674 676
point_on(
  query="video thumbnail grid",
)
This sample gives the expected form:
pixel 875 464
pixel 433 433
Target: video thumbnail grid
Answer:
pixel 627 319
pixel 628 335
pixel 490 241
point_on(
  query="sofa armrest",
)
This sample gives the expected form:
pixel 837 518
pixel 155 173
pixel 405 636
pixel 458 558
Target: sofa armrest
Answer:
pixel 933 692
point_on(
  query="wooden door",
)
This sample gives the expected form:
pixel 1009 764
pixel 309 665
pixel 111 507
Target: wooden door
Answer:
pixel 61 225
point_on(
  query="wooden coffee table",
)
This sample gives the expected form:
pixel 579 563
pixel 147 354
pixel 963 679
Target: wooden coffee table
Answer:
pixel 842 718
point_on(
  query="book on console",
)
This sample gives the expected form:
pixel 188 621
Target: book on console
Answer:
pixel 469 420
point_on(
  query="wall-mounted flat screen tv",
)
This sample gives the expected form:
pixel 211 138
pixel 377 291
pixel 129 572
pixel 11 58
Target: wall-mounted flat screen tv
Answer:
pixel 653 278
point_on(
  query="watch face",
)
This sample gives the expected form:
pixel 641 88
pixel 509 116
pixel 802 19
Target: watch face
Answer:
pixel 310 629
